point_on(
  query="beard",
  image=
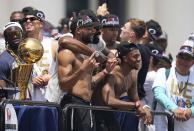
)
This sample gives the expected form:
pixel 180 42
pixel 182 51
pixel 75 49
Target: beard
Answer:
pixel 135 66
pixel 87 39
pixel 95 39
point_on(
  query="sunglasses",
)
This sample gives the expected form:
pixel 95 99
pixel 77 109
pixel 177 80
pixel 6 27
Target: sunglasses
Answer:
pixel 30 18
pixel 185 56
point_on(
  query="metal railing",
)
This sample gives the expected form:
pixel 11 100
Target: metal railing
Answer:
pixel 62 112
pixel 170 116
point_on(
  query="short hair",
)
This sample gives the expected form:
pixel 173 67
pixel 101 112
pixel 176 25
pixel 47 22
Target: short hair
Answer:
pixel 15 12
pixel 138 26
pixel 125 47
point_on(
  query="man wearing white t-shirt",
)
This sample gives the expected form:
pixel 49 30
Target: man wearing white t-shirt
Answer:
pixel 176 92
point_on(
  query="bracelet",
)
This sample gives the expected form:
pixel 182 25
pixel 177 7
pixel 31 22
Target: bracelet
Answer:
pixel 146 106
pixel 137 105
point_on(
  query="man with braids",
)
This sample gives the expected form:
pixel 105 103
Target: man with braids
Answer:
pixel 8 59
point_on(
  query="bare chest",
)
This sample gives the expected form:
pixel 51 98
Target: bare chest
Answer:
pixel 123 84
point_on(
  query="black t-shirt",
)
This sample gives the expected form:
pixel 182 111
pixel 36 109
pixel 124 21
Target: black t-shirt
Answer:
pixel 145 55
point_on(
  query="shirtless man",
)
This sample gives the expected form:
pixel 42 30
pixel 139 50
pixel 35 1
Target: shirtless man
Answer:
pixel 75 75
pixel 122 82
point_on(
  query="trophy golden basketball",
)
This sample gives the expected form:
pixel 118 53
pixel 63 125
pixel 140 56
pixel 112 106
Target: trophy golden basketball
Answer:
pixel 30 51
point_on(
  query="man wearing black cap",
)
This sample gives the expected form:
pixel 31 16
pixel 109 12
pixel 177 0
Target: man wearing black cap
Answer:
pixel 110 30
pixel 154 30
pixel 75 75
pixel 120 89
pixel 97 43
pixel 33 23
pixel 175 93
pixel 133 31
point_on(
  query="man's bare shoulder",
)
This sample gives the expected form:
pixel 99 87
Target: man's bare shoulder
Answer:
pixel 67 53
pixel 133 74
pixel 68 40
pixel 119 83
pixel 66 56
pixel 116 70
pixel 117 75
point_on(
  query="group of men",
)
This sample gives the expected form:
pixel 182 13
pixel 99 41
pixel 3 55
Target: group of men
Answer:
pixel 88 66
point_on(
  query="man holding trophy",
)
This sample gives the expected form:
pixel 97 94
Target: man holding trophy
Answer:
pixel 16 61
pixel 9 58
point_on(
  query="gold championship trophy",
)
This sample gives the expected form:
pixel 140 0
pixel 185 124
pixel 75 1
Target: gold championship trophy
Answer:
pixel 30 51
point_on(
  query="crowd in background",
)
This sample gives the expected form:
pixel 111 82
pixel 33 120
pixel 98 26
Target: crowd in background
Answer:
pixel 90 59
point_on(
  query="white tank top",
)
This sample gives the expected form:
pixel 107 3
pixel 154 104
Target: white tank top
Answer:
pixel 42 67
pixel 53 91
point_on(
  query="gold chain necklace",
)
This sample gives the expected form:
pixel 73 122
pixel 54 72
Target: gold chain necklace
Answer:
pixel 10 51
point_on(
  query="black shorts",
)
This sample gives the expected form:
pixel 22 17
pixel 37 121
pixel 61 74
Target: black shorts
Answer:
pixel 78 119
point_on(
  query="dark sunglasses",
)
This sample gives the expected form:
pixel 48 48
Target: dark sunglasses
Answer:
pixel 185 56
pixel 30 18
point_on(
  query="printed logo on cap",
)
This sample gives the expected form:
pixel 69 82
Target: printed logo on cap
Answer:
pixel 84 21
pixel 110 21
pixel 152 31
pixel 40 15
